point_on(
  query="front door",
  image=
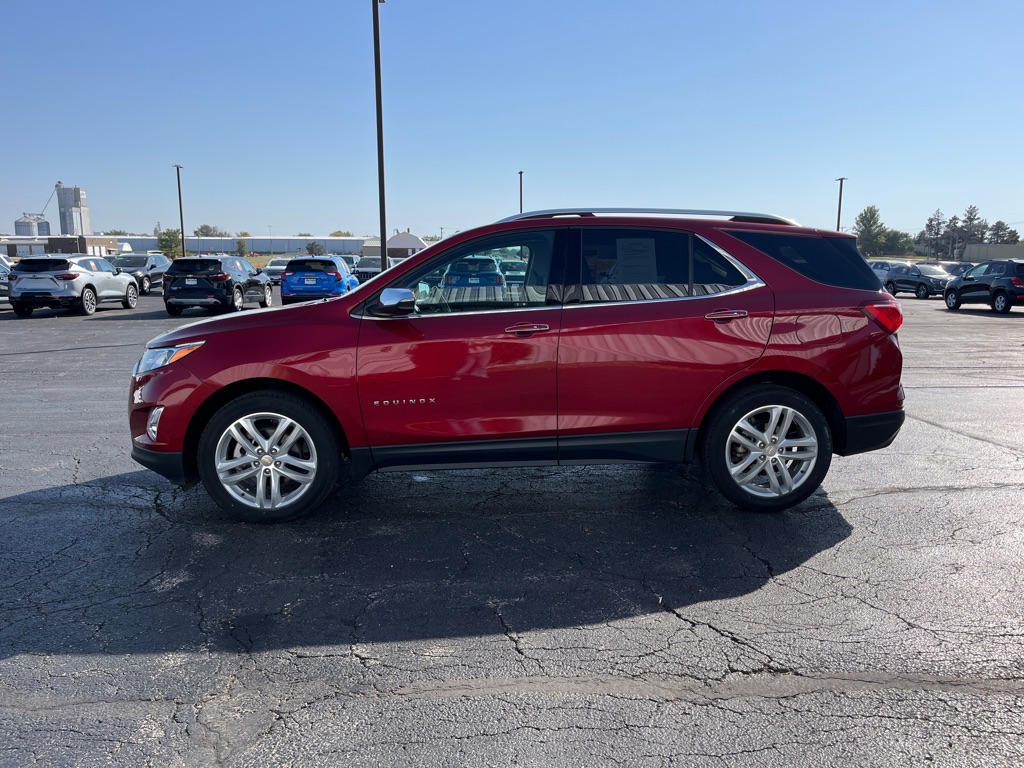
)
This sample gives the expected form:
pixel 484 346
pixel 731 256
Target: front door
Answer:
pixel 470 376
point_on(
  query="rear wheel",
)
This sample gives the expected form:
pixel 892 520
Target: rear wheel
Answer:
pixel 1001 303
pixel 767 448
pixel 87 304
pixel 146 286
pixel 173 310
pixel 267 457
pixel 891 288
pixel 22 310
pixel 268 297
pixel 922 291
pixel 131 297
pixel 237 301
pixel 952 299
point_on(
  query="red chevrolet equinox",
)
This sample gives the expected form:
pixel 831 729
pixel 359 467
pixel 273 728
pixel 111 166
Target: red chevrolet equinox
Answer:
pixel 560 337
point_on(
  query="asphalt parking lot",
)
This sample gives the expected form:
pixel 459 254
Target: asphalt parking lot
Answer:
pixel 576 616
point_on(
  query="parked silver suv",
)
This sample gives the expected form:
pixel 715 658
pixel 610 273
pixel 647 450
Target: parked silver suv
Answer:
pixel 73 280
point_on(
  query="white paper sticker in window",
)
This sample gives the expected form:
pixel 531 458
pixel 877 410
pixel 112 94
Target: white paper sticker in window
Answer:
pixel 636 260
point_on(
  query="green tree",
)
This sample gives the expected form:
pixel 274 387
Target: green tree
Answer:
pixel 208 230
pixel 934 230
pixel 304 234
pixel 241 248
pixel 315 249
pixel 1001 234
pixel 974 227
pixel 341 233
pixel 169 242
pixel 870 231
pixel 243 233
pixel 430 238
pixel 116 233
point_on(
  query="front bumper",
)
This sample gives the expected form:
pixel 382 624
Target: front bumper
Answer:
pixel 169 464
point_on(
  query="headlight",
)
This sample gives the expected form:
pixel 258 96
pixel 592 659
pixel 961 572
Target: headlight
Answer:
pixel 158 358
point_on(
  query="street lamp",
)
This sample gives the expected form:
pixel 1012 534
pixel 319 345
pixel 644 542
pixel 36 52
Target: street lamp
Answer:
pixel 380 136
pixel 839 213
pixel 520 191
pixel 270 239
pixel 181 210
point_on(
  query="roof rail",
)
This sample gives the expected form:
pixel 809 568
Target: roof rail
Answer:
pixel 761 218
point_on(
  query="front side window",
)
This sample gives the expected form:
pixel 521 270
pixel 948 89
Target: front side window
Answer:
pixel 470 278
pixel 641 265
pixel 979 270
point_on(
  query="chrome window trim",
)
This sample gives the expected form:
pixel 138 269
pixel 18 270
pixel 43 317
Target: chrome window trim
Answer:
pixel 414 316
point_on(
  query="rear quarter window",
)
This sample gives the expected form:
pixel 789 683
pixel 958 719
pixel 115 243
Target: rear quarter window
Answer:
pixel 830 260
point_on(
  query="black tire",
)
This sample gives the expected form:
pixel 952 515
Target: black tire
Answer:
pixel 268 297
pixel 131 297
pixel 922 291
pixel 173 310
pixel 21 310
pixel 891 288
pixel 952 299
pixel 146 286
pixel 1001 303
pixel 237 301
pixel 314 457
pixel 87 304
pixel 749 478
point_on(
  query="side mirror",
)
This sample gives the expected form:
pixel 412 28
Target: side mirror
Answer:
pixel 394 302
pixel 259 271
pixel 117 270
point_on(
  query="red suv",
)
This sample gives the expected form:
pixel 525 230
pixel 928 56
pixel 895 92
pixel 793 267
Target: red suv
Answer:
pixel 760 346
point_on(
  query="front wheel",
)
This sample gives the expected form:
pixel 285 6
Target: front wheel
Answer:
pixel 268 457
pixel 131 297
pixel 891 288
pixel 921 292
pixel 767 448
pixel 268 297
pixel 146 286
pixel 952 299
pixel 1001 303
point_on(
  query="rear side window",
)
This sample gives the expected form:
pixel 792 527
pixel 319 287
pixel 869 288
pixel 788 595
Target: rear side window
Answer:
pixel 1020 270
pixel 195 267
pixel 829 260
pixel 42 265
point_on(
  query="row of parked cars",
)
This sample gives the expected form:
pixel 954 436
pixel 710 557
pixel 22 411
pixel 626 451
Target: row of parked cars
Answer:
pixel 998 283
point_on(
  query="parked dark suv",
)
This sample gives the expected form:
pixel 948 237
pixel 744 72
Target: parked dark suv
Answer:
pixel 922 280
pixel 226 282
pixel 147 268
pixel 757 345
pixel 1000 284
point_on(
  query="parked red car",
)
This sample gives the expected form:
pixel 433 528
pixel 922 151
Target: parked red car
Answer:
pixel 760 346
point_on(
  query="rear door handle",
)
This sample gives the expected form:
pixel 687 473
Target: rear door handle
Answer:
pixel 725 315
pixel 527 329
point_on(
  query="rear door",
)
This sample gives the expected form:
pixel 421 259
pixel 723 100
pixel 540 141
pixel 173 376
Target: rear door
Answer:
pixel 655 321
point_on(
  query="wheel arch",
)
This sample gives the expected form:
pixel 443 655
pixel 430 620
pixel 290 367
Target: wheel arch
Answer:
pixel 226 394
pixel 799 382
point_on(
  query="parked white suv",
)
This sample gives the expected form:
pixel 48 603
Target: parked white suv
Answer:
pixel 69 280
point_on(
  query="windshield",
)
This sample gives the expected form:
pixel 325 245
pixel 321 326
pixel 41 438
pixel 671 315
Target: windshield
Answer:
pixel 369 262
pixel 933 271
pixel 278 262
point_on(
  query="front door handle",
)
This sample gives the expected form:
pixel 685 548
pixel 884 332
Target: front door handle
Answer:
pixel 524 330
pixel 725 315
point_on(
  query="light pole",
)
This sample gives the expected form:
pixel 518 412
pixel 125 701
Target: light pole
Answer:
pixel 520 191
pixel 181 210
pixel 839 213
pixel 270 238
pixel 380 136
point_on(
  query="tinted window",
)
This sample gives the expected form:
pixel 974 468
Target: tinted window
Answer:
pixel 195 267
pixel 129 261
pixel 311 265
pixel 640 265
pixel 369 262
pixel 933 271
pixel 42 265
pixel 829 260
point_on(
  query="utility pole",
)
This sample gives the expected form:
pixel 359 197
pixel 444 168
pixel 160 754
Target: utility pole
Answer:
pixel 520 191
pixel 181 211
pixel 380 136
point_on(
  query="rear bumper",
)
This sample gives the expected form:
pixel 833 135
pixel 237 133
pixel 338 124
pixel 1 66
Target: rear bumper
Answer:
pixel 182 301
pixel 46 300
pixel 871 432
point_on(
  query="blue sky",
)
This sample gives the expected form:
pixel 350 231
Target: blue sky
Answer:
pixel 270 108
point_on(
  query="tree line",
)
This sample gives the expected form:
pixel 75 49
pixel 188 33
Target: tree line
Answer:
pixel 941 238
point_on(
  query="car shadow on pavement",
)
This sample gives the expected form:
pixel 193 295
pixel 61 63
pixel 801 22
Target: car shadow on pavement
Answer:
pixel 130 564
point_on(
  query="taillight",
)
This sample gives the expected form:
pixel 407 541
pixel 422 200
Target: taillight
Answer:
pixel 1017 282
pixel 66 276
pixel 168 278
pixel 287 274
pixel 338 277
pixel 888 314
pixel 501 279
pixel 220 277
pixel 447 279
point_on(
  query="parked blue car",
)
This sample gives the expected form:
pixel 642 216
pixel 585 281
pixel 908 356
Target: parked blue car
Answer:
pixel 315 277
